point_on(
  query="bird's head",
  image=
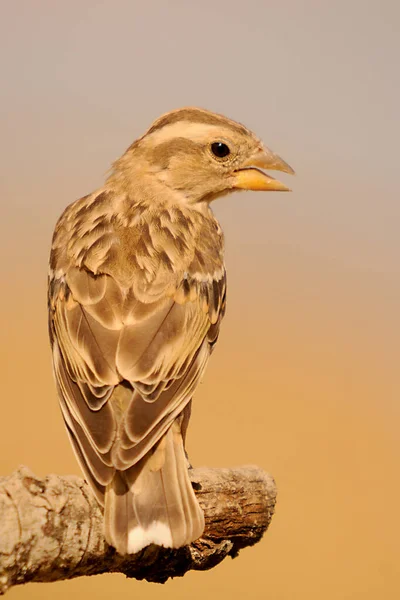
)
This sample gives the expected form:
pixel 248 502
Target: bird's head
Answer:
pixel 201 155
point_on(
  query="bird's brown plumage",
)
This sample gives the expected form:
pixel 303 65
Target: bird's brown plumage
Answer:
pixel 137 292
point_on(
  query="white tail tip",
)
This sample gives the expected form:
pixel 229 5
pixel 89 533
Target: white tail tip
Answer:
pixel 157 533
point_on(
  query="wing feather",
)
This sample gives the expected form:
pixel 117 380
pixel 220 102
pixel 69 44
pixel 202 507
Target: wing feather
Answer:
pixel 128 355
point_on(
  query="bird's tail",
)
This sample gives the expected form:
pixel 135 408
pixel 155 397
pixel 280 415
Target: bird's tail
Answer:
pixel 153 502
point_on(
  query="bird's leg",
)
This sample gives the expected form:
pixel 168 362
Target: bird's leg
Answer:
pixel 185 422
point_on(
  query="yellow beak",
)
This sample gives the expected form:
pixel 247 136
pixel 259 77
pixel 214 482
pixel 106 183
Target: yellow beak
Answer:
pixel 250 178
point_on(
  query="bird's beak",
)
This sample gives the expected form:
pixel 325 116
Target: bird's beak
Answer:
pixel 250 178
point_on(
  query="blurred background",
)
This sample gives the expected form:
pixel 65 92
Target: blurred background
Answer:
pixel 305 379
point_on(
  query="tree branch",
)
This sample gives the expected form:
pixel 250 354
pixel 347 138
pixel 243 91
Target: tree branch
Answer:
pixel 52 528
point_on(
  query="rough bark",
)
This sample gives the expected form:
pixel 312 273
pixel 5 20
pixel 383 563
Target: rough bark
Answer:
pixel 52 528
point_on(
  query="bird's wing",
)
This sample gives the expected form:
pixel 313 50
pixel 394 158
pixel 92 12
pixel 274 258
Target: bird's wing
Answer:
pixel 125 368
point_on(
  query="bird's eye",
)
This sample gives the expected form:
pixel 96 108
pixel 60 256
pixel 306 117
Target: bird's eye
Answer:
pixel 220 150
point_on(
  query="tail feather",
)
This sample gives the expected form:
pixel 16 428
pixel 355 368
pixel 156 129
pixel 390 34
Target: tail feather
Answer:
pixel 116 512
pixel 153 502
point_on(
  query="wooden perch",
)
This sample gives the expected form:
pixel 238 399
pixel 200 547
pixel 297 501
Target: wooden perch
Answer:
pixel 52 528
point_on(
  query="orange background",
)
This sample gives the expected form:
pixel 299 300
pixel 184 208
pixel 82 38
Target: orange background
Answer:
pixel 305 378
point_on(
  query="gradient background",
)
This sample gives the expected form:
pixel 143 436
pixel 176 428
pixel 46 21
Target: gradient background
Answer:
pixel 305 379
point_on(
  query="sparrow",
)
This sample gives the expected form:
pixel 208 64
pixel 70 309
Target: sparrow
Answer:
pixel 136 296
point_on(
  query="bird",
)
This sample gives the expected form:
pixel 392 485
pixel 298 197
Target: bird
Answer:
pixel 136 296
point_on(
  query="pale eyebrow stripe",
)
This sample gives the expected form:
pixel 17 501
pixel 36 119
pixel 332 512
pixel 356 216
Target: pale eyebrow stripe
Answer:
pixel 186 129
